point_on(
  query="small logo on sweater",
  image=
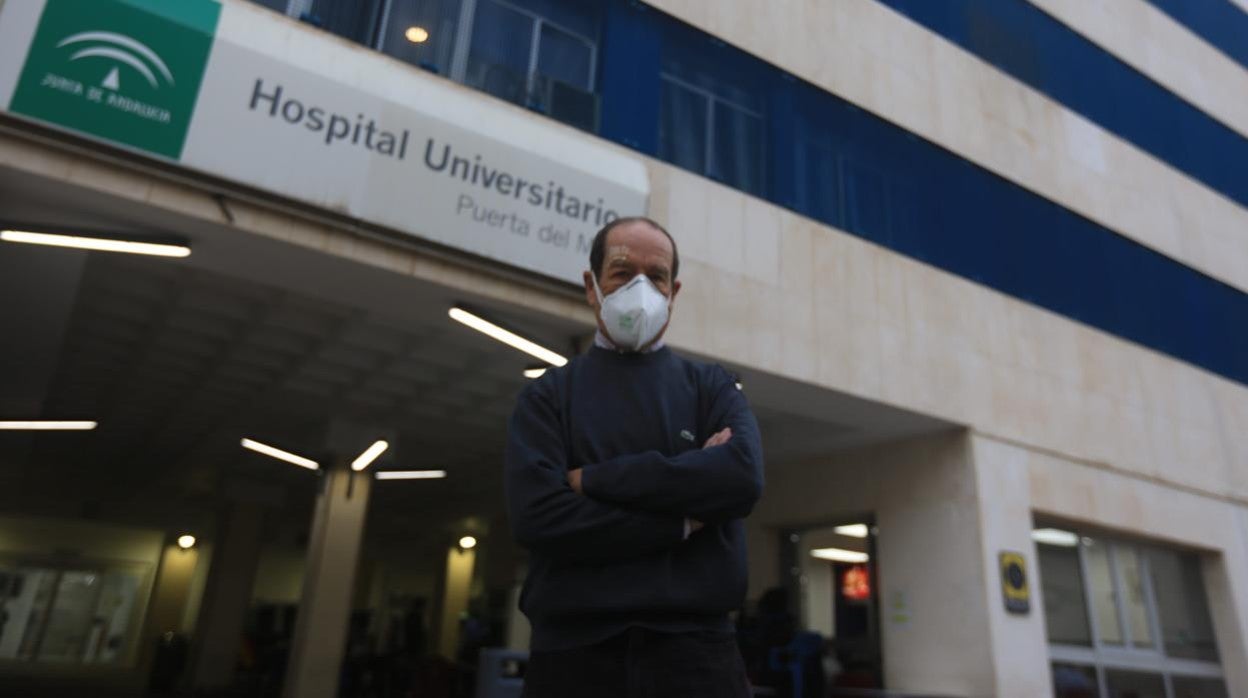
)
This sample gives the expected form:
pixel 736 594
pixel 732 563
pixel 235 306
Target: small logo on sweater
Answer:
pixel 687 435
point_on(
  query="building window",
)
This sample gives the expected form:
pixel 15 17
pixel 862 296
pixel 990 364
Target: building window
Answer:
pixel 356 20
pixel 422 32
pixel 84 614
pixel 713 129
pixel 539 54
pixel 1126 619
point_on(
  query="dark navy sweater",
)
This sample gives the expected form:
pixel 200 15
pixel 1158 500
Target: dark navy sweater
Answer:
pixel 616 556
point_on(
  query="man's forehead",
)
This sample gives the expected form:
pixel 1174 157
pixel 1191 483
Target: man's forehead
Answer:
pixel 638 249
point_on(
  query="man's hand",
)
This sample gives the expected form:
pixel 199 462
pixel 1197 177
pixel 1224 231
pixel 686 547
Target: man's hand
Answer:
pixel 574 479
pixel 695 526
pixel 719 438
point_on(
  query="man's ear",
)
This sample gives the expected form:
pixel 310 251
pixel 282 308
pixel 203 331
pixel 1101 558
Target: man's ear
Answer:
pixel 675 290
pixel 590 297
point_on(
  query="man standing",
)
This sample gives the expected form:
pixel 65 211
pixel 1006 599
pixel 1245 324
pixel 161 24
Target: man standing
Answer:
pixel 628 474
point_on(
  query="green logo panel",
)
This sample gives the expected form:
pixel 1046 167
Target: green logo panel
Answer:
pixel 127 71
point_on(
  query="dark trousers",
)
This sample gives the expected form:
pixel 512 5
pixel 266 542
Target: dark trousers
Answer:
pixel 642 664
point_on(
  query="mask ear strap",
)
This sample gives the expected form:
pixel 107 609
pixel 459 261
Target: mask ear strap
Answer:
pixel 597 290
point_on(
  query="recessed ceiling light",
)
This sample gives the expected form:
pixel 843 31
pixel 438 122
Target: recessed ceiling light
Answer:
pixel 507 337
pixel 467 542
pixel 100 244
pixel 416 35
pixel 279 454
pixel 48 425
pixel 366 458
pixel 839 555
pixel 410 474
pixel 852 530
pixel 186 542
pixel 534 372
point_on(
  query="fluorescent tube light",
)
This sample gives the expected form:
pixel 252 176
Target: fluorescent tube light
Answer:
pixel 410 474
pixel 48 425
pixel 280 454
pixel 511 339
pixel 1055 536
pixel 93 243
pixel 366 458
pixel 839 555
pixel 534 372
pixel 852 530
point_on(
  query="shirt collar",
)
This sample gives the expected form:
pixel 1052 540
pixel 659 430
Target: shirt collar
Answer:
pixel 601 341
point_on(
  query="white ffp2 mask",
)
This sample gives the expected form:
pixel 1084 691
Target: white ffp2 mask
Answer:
pixel 634 314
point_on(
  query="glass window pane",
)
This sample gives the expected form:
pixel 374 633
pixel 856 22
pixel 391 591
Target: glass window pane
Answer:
pixel 1071 681
pixel 1104 603
pixel 114 612
pixel 1182 608
pixel 422 32
pixel 70 619
pixel 682 127
pixel 502 44
pixel 24 610
pixel 1191 687
pixel 356 20
pixel 578 16
pixel 1065 609
pixel 819 182
pixel 738 157
pixel 278 5
pixel 1129 570
pixel 565 58
pixel 1134 684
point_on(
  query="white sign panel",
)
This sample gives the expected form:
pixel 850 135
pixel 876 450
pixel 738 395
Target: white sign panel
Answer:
pixel 296 112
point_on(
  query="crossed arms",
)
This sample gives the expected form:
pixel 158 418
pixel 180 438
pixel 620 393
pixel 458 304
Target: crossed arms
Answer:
pixel 631 505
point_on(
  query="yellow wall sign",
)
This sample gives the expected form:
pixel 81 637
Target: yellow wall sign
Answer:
pixel 1014 584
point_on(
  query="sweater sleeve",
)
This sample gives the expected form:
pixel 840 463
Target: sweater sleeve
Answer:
pixel 547 515
pixel 712 485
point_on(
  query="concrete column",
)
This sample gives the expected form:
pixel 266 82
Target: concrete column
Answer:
pixel 1020 646
pixel 934 626
pixel 947 509
pixel 325 609
pixel 1226 584
pixel 169 597
pixel 227 594
pixel 453 589
pixel 456 585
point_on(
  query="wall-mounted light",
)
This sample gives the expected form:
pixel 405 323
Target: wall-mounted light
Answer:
pixel 369 455
pixel 410 474
pixel 416 35
pixel 467 543
pixel 99 244
pixel 47 425
pixel 279 454
pixel 186 541
pixel 507 337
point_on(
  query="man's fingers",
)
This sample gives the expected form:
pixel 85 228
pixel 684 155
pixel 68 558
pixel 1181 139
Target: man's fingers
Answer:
pixel 719 438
